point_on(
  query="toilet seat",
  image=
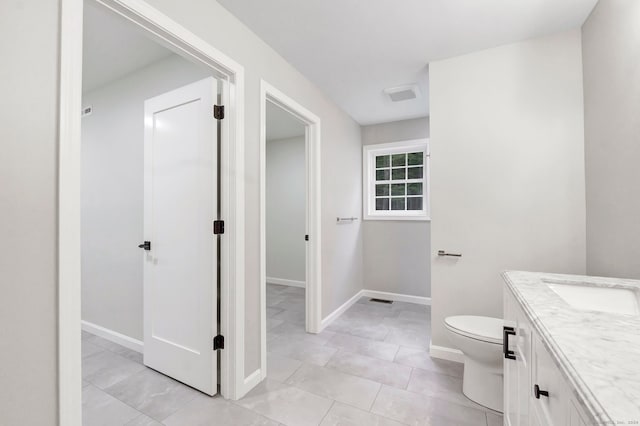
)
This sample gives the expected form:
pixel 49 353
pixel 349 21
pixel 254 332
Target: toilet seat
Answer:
pixel 485 329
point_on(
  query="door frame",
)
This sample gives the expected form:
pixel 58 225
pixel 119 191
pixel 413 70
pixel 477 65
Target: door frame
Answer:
pixel 313 279
pixel 180 40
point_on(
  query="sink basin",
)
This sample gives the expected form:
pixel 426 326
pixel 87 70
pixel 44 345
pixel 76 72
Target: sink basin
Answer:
pixel 615 300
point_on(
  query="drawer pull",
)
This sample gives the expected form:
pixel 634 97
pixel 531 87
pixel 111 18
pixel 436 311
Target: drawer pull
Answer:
pixel 538 393
pixel 506 332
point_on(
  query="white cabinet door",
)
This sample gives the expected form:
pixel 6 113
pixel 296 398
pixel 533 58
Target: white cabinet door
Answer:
pixel 180 182
pixel 575 418
pixel 523 353
pixel 535 421
pixel 551 400
pixel 510 370
pixel 517 376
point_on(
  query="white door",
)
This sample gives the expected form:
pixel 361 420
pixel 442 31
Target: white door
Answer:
pixel 180 185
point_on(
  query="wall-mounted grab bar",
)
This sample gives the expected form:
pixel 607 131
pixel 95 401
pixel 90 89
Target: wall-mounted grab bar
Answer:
pixel 346 219
pixel 443 253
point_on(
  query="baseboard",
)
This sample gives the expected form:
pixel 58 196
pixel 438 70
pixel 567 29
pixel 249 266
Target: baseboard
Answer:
pixel 442 352
pixel 283 281
pixel 341 310
pixel 254 379
pixel 396 297
pixel 113 336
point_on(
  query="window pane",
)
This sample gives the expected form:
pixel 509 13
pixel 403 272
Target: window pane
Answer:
pixel 382 189
pixel 414 189
pixel 382 161
pixel 398 160
pixel 415 172
pixel 414 203
pixel 415 158
pixel 382 174
pixel 397 174
pixel 397 189
pixel 382 204
pixel 397 203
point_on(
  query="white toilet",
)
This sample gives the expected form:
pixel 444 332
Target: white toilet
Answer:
pixel 480 340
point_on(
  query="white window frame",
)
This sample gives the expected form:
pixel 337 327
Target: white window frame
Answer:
pixel 369 153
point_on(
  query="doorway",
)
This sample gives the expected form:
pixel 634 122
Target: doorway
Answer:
pixel 285 220
pixel 179 43
pixel 149 198
pixel 290 240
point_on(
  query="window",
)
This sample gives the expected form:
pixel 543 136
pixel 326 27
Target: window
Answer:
pixel 395 181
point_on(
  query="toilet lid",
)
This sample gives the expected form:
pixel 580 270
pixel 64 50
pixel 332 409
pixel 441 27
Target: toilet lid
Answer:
pixel 480 328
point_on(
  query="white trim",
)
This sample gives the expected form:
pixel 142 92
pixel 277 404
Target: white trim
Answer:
pixel 113 336
pixel 179 39
pixel 397 297
pixel 341 310
pixel 313 279
pixel 369 153
pixel 442 352
pixel 398 218
pixel 254 379
pixel 70 93
pixel 284 281
pixel 232 318
pixel 175 37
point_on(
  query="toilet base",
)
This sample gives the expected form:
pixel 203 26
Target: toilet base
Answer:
pixel 483 385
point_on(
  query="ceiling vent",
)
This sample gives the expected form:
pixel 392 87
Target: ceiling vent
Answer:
pixel 403 93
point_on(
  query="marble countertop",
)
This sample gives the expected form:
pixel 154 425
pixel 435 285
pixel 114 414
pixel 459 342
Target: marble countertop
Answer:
pixel 597 352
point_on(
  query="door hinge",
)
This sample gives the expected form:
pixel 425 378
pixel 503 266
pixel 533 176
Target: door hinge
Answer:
pixel 306 237
pixel 218 227
pixel 218 112
pixel 218 342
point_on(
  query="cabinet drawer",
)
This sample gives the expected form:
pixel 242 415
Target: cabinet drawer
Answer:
pixel 552 409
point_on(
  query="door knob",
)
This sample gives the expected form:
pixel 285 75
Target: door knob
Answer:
pixel 146 245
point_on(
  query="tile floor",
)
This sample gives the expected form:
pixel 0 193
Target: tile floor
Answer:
pixel 370 367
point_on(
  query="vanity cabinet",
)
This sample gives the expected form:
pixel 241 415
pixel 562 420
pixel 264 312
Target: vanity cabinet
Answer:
pixel 535 392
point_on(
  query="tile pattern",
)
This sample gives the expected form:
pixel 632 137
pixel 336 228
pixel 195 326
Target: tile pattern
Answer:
pixel 370 367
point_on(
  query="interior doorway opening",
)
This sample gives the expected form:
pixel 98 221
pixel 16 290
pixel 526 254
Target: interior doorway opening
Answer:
pixel 290 220
pixel 149 190
pixel 286 227
pixel 152 133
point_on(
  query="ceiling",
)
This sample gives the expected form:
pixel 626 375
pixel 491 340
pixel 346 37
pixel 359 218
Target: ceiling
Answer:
pixel 354 49
pixel 113 48
pixel 281 124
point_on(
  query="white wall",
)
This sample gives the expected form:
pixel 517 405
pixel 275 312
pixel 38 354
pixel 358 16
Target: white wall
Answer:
pixel 113 192
pixel 396 253
pixel 507 170
pixel 29 37
pixel 611 42
pixel 341 159
pixel 286 209
pixel 403 130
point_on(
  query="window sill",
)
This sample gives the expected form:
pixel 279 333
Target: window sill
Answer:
pixel 399 218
